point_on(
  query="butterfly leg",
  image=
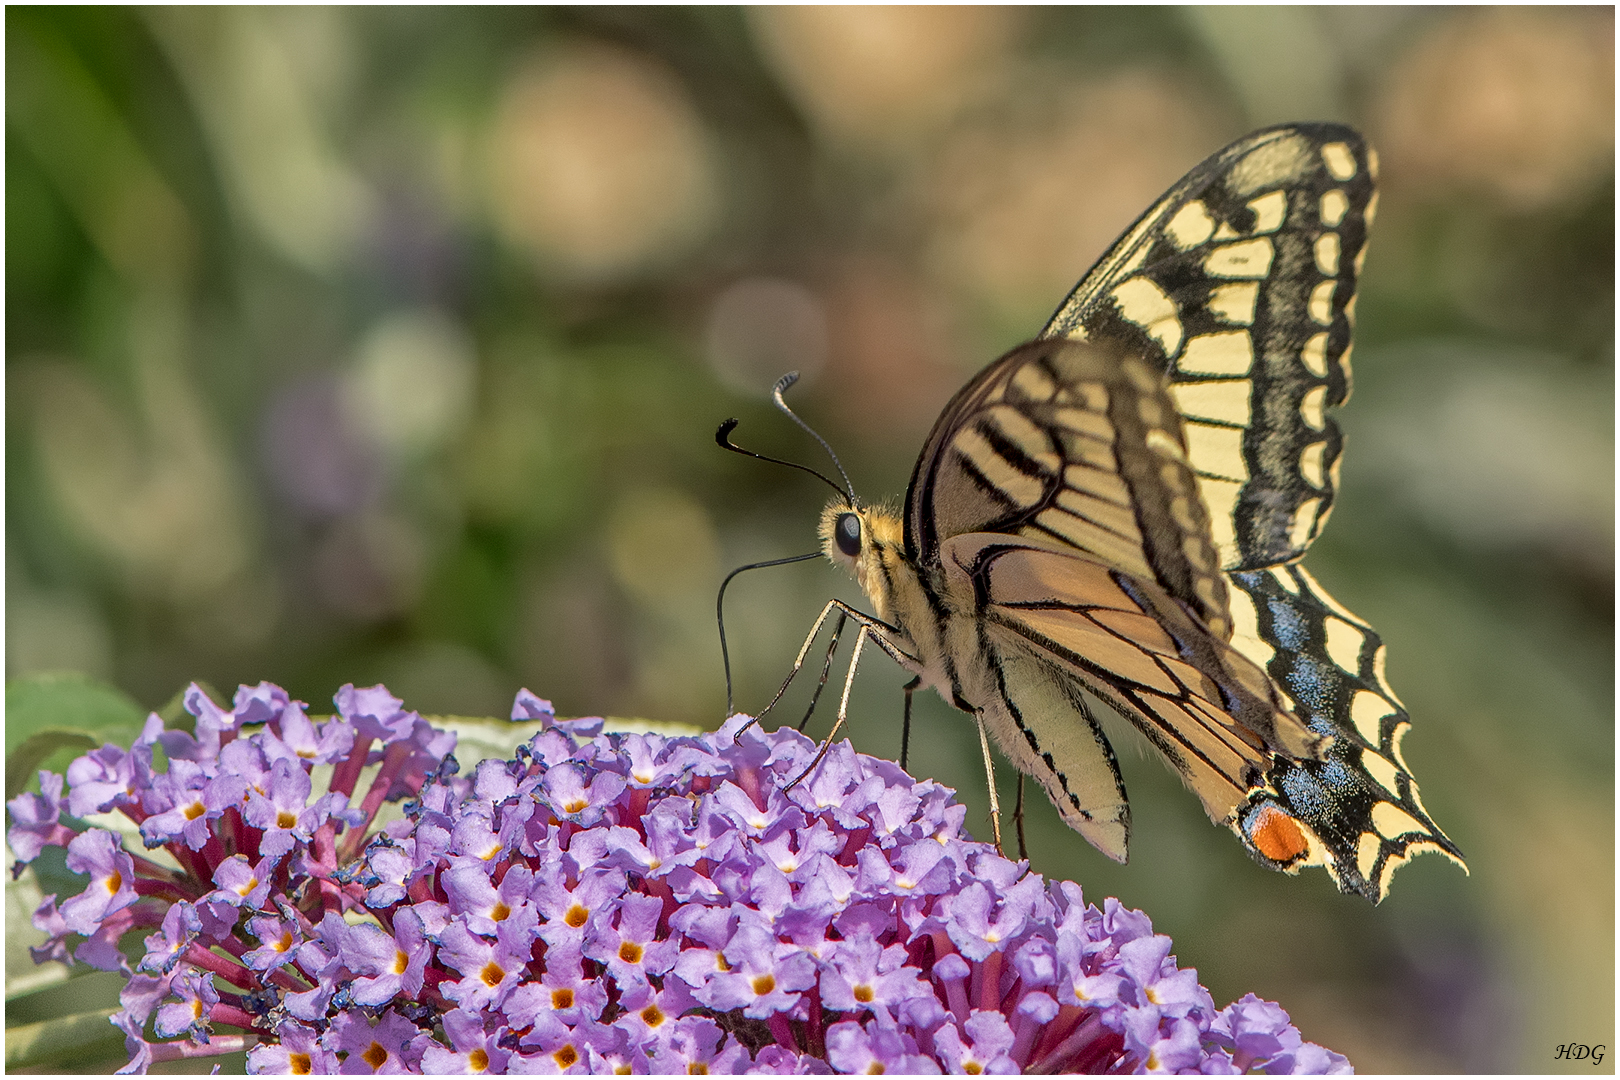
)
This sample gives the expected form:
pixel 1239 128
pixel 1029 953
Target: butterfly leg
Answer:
pixel 905 726
pixel 843 707
pixel 1018 819
pixel 798 662
pixel 990 778
pixel 826 668
pixel 878 630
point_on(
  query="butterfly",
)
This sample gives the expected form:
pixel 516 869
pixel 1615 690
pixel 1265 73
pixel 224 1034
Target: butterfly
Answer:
pixel 1119 508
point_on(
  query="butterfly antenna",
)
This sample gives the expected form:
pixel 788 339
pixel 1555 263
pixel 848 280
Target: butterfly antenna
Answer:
pixel 720 600
pixel 723 437
pixel 776 395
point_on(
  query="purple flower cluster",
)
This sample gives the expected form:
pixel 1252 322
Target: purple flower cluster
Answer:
pixel 626 904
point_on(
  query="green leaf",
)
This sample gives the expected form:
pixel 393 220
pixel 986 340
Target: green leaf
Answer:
pixel 66 700
pixel 33 752
pixel 53 717
pixel 82 1035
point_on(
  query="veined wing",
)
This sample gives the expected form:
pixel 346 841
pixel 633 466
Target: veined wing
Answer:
pixel 1211 712
pixel 1239 284
pixel 1357 810
pixel 1075 446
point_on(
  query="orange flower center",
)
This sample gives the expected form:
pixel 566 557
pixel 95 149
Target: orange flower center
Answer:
pixel 375 1056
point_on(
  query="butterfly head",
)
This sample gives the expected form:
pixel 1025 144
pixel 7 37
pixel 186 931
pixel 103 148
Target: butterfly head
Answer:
pixel 868 542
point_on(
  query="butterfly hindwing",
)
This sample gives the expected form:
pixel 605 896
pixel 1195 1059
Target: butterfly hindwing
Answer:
pixel 1240 286
pixel 1212 715
pixel 1358 808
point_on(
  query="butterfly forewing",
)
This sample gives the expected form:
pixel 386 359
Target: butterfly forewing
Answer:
pixel 1240 286
pixel 1074 446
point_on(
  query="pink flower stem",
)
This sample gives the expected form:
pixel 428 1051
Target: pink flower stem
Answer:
pixel 239 835
pixel 286 980
pixel 222 1013
pixel 213 853
pixel 156 871
pixel 956 991
pixel 1068 1018
pixel 989 978
pixel 1068 1054
pixel 347 774
pixel 229 970
pixel 783 1031
pixel 813 1033
pixel 398 753
pixel 184 1048
pixel 164 890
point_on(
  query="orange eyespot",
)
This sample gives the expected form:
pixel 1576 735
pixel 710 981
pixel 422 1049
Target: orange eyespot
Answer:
pixel 1277 836
pixel 286 819
pixel 630 952
pixel 375 1056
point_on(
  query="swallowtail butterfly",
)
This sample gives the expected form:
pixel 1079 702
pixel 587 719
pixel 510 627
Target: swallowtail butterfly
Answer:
pixel 1120 507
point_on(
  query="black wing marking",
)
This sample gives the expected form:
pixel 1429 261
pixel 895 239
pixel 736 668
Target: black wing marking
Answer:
pixel 1358 808
pixel 1074 446
pixel 1239 284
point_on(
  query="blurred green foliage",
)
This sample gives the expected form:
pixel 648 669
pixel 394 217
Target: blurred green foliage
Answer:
pixel 348 345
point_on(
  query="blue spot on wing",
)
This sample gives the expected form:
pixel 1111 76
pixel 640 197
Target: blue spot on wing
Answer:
pixel 1288 626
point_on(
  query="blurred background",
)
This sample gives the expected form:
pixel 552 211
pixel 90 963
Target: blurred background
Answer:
pixel 358 345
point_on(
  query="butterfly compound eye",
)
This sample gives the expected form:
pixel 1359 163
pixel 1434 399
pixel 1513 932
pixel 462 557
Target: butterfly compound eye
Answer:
pixel 847 534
